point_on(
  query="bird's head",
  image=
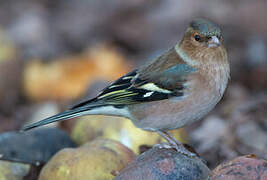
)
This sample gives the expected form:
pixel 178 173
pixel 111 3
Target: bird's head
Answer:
pixel 203 34
pixel 202 38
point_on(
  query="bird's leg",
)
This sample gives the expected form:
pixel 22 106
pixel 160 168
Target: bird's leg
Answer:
pixel 168 138
pixel 175 143
pixel 173 138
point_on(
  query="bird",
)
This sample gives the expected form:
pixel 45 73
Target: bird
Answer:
pixel 173 90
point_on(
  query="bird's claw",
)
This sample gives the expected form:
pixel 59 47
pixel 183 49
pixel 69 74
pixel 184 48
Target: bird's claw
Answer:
pixel 179 148
pixel 163 145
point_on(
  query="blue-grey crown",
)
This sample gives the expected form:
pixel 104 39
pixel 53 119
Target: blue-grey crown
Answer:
pixel 205 27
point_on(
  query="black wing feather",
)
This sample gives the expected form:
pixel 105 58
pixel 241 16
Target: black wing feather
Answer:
pixel 124 92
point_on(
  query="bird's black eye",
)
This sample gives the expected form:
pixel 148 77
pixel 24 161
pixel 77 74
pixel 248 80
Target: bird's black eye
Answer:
pixel 197 37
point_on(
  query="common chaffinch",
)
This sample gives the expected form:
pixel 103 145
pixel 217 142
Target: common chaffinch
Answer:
pixel 175 89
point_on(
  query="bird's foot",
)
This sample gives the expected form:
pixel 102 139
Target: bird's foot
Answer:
pixel 163 145
pixel 181 149
pixel 174 143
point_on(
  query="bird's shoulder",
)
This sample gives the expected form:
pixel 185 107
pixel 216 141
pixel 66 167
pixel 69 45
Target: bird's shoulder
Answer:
pixel 159 79
pixel 169 71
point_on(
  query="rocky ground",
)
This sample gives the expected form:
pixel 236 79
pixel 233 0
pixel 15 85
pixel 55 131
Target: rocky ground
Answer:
pixel 54 53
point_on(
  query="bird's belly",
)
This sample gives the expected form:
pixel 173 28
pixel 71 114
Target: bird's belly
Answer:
pixel 173 113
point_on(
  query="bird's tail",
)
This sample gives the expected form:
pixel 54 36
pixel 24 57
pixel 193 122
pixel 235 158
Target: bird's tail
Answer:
pixel 76 112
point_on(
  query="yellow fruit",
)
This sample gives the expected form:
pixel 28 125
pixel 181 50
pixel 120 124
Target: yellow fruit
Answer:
pixel 69 77
pixel 13 171
pixel 100 160
pixel 117 128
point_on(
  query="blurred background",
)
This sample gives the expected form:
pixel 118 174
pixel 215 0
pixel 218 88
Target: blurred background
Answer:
pixel 54 53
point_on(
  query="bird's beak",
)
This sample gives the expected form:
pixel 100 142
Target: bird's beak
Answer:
pixel 213 42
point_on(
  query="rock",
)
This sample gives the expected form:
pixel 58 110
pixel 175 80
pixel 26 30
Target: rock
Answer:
pixel 164 164
pixel 100 159
pixel 248 122
pixel 243 167
pixel 34 147
pixel 13 170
